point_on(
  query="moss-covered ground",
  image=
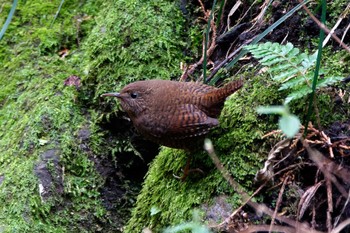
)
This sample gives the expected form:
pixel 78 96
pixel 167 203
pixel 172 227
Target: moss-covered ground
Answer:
pixel 53 71
pixel 105 44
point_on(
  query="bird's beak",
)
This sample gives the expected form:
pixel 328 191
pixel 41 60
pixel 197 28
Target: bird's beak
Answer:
pixel 115 94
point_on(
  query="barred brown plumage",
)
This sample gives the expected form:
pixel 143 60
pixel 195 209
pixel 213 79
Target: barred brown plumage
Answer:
pixel 174 114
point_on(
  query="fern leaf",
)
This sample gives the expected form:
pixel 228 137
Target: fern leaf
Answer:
pixel 272 62
pixel 269 57
pixel 280 68
pixel 292 83
pixel 285 75
pixel 303 91
pixel 309 61
pixel 290 67
pixel 328 81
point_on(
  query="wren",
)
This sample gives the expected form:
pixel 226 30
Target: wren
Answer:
pixel 174 114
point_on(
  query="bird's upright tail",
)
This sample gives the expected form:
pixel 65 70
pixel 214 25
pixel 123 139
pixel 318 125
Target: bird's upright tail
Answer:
pixel 215 99
pixel 220 94
pixel 230 88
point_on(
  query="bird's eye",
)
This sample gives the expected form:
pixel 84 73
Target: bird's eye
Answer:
pixel 133 95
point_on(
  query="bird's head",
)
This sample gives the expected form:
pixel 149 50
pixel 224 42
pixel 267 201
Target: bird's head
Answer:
pixel 133 97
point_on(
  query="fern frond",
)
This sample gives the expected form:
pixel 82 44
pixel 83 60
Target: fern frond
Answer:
pixel 290 67
pixel 328 81
pixel 285 58
pixel 297 81
pixel 297 94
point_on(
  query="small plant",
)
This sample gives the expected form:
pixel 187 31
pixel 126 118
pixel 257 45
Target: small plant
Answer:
pixel 288 122
pixel 195 226
pixel 294 70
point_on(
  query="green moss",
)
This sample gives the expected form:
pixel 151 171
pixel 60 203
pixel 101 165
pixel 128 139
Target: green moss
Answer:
pixel 39 113
pixel 133 41
pixel 239 146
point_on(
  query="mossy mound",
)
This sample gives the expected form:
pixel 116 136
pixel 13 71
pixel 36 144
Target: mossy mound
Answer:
pixel 53 69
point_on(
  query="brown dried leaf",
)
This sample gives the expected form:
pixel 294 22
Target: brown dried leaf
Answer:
pixel 73 81
pixel 63 53
pixel 306 198
pixel 266 173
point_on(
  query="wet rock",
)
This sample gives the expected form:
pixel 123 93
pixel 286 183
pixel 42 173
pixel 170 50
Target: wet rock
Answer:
pixel 2 178
pixel 84 134
pixel 49 173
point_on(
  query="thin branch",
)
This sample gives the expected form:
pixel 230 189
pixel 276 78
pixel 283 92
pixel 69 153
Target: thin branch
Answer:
pixel 278 203
pixel 324 28
pixel 330 205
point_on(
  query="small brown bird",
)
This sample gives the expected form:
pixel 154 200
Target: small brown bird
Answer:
pixel 174 114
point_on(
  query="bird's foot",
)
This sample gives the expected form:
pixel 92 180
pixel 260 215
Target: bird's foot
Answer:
pixel 186 172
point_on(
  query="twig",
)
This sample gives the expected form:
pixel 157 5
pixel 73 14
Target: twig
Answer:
pixel 341 226
pixel 345 32
pixel 313 221
pixel 206 14
pixel 278 203
pixel 324 28
pixel 274 132
pixel 224 62
pixel 330 205
pixel 342 211
pixel 210 50
pixel 238 21
pixel 232 11
pixel 306 198
pixel 264 7
pixel 321 162
pixel 342 16
pixel 227 220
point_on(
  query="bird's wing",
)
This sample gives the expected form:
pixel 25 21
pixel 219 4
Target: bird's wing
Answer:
pixel 189 121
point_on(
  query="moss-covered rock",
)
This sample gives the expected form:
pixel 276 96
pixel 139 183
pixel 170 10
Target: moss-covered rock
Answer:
pixel 40 114
pixel 54 166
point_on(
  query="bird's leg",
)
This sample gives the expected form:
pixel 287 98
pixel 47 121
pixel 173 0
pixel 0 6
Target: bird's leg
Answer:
pixel 187 170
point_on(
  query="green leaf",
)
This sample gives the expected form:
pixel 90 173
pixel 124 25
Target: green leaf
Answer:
pixel 328 81
pixel 43 142
pixel 289 124
pixel 286 74
pixel 282 67
pixel 155 210
pixel 281 110
pixel 290 67
pixel 301 92
pixel 292 83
